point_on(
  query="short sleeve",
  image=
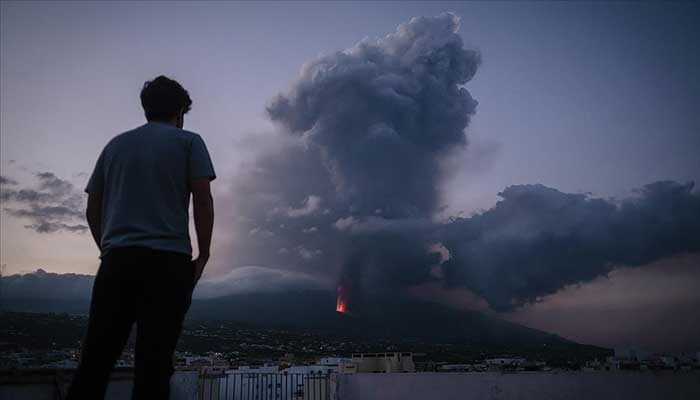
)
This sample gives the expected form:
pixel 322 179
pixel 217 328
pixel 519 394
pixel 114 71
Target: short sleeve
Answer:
pixel 200 162
pixel 96 182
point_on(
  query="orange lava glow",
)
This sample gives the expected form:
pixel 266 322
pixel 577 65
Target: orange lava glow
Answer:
pixel 340 305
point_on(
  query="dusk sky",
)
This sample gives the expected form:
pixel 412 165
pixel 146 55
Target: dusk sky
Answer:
pixel 587 99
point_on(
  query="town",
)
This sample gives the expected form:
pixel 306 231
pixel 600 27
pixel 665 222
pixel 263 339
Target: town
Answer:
pixel 52 341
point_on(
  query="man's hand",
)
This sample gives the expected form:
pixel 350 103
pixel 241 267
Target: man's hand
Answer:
pixel 93 214
pixel 199 264
pixel 203 207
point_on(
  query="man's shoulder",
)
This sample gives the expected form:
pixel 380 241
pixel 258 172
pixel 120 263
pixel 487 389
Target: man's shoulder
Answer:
pixel 188 134
pixel 120 137
pixel 146 129
pixel 169 129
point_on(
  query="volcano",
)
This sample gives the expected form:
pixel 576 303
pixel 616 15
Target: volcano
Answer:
pixel 392 317
pixel 395 318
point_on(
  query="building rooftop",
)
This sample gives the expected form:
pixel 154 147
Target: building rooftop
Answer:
pixel 220 384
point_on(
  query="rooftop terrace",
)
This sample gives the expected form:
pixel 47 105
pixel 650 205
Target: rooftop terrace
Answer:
pixel 232 385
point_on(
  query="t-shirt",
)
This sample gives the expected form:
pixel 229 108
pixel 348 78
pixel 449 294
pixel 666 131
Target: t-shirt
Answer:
pixel 144 177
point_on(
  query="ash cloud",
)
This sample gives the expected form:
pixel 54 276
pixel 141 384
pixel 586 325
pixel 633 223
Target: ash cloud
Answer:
pixel 383 113
pixel 52 205
pixel 537 240
pixel 348 188
pixel 352 179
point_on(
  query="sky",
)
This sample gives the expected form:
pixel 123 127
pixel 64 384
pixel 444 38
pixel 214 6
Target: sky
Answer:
pixel 593 99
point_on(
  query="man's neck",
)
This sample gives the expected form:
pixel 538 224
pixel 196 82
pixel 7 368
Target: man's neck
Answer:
pixel 171 122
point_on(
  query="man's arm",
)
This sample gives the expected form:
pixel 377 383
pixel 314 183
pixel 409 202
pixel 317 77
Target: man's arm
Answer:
pixel 203 206
pixel 93 214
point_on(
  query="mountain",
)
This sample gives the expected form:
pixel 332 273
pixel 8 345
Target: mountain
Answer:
pixel 42 291
pixel 404 318
pixel 395 317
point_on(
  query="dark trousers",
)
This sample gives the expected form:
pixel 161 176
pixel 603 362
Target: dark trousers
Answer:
pixel 148 287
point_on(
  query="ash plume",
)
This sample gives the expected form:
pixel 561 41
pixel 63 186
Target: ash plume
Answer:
pixel 382 114
pixel 537 240
pixel 353 182
pixel 348 188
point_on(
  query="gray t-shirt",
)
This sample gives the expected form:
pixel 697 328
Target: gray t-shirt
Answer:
pixel 144 177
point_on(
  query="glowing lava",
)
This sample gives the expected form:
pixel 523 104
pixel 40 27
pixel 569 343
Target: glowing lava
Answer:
pixel 340 303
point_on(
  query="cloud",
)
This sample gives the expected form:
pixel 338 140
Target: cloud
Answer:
pixel 45 212
pixel 345 223
pixel 310 205
pixel 378 118
pixel 537 240
pixel 371 130
pixel 50 182
pixel 362 133
pixel 254 279
pixel 459 298
pixel 308 254
pixel 51 227
pixel 7 181
pixel 381 114
pixel 652 308
pixel 52 205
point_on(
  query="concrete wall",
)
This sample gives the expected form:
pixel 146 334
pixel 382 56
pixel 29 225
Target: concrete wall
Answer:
pixel 183 386
pixel 520 386
pixel 443 386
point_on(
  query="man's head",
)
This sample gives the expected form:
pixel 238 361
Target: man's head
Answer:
pixel 165 100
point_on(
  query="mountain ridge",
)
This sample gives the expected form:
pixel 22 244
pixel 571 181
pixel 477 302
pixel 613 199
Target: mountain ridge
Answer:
pixel 394 317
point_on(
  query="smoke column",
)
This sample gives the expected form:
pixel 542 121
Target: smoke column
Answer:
pixel 348 189
pixel 381 115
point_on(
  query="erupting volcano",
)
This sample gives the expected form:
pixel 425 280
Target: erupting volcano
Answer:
pixel 341 302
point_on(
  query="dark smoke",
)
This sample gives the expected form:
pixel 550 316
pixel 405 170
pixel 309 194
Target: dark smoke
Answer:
pixel 538 240
pixel 349 188
pixel 383 113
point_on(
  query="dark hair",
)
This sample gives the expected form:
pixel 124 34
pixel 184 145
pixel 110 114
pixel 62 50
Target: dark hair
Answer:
pixel 164 99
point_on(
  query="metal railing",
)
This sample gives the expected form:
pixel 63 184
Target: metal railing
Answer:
pixel 264 386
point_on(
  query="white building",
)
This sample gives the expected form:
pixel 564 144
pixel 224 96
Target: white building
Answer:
pixel 318 369
pixel 383 362
pixel 333 360
pixel 631 354
pixel 255 369
pixel 505 362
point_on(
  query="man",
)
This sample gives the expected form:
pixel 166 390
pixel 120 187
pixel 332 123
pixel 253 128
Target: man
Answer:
pixel 138 202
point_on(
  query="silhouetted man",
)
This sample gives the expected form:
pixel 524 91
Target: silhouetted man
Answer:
pixel 138 201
